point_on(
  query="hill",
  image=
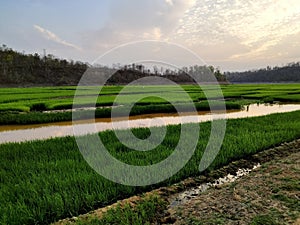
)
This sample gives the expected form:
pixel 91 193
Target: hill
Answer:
pixel 18 69
pixel 25 70
pixel 288 73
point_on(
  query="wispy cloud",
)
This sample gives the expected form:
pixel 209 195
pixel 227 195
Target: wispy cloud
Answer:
pixel 53 37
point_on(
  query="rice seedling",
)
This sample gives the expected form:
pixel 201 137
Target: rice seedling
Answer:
pixel 24 99
pixel 43 181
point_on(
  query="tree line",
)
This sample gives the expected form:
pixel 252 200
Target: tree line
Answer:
pixel 19 69
pixel 287 73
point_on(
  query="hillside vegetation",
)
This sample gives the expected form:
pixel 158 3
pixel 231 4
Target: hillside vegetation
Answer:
pixel 288 73
pixel 25 70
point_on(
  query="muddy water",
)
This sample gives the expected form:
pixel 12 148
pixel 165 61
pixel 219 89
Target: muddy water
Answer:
pixel 20 133
pixel 188 195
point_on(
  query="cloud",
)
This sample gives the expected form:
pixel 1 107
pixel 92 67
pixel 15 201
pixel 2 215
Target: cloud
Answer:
pixel 53 37
pixel 219 31
pixel 170 2
pixel 154 34
pixel 135 20
pixel 258 25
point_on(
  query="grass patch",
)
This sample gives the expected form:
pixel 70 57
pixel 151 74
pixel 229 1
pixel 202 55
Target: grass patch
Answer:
pixel 143 212
pixel 272 217
pixel 290 184
pixel 292 203
pixel 264 219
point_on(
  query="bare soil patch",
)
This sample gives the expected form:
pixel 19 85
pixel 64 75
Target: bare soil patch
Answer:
pixel 268 195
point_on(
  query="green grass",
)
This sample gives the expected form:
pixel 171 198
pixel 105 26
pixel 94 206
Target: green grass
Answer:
pixel 143 213
pixel 264 219
pixel 43 181
pixel 24 99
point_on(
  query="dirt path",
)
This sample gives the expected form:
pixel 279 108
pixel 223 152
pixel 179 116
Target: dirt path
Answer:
pixel 268 195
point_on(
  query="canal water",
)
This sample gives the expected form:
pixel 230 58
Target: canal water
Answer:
pixel 21 133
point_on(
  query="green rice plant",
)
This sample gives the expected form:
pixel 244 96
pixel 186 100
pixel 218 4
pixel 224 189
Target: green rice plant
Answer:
pixel 54 98
pixel 143 212
pixel 288 98
pixel 43 181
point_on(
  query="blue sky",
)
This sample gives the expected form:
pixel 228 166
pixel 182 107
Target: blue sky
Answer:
pixel 231 34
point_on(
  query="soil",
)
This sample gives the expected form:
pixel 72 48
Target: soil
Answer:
pixel 269 194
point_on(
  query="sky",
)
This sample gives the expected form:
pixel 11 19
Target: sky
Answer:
pixel 233 35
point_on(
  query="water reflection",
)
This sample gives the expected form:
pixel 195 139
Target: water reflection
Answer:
pixel 19 133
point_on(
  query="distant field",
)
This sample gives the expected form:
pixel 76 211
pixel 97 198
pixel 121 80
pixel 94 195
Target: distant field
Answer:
pixel 31 101
pixel 51 98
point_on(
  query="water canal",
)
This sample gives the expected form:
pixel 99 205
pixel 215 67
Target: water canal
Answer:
pixel 21 133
